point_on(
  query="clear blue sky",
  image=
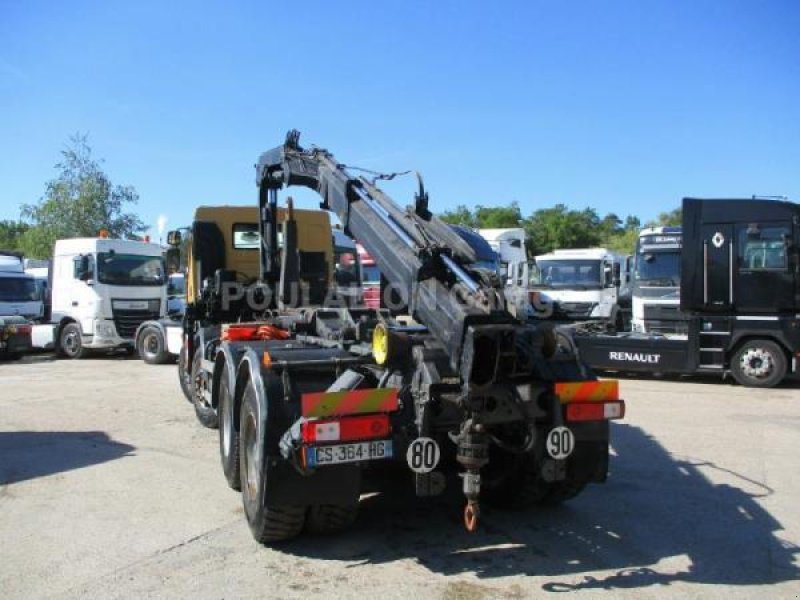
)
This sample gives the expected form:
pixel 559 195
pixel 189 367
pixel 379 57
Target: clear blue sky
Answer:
pixel 623 106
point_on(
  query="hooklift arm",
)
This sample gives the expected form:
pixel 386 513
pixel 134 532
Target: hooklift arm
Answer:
pixel 421 257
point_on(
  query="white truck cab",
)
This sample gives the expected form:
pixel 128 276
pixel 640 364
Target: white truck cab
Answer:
pixel 102 290
pixel 656 283
pixel 509 245
pixel 19 294
pixel 586 284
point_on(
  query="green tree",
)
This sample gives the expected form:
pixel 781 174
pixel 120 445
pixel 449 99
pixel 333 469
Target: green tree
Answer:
pixel 672 218
pixel 11 233
pixel 79 203
pixel 498 217
pixel 560 227
pixel 461 215
pixel 484 217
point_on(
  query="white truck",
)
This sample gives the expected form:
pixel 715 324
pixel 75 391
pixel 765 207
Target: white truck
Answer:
pixel 656 282
pixel 102 291
pixel 586 284
pixel 19 294
pixel 509 245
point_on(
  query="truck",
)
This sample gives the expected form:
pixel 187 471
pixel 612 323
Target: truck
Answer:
pixel 512 254
pixel 19 294
pixel 586 284
pixel 234 231
pixel 656 282
pixel 310 398
pixel 102 290
pixel 739 290
pixel 370 278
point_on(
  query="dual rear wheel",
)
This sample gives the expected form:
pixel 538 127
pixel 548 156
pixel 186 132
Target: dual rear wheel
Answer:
pixel 243 452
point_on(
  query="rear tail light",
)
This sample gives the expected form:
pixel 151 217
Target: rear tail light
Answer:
pixel 595 411
pixel 24 328
pixel 345 429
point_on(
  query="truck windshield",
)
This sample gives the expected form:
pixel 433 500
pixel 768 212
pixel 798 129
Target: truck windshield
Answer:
pixel 18 289
pixel 114 268
pixel 658 269
pixel 574 274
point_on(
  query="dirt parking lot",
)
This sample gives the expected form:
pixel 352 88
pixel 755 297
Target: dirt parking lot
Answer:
pixel 111 489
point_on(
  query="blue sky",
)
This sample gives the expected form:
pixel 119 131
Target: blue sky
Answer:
pixel 623 106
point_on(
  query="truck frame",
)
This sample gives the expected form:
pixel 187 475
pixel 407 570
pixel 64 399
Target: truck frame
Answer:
pixel 310 396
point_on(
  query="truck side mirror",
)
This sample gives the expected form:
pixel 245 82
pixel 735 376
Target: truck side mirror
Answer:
pixel 82 268
pixel 172 258
pixel 174 238
pixel 616 274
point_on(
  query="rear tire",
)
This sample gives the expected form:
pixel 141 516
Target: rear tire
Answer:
pixel 759 363
pixel 228 436
pixel 206 413
pixel 151 347
pixel 330 518
pixel 268 523
pixel 70 342
pixel 184 375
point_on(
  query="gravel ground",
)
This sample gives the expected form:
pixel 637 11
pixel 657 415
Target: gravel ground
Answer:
pixel 109 488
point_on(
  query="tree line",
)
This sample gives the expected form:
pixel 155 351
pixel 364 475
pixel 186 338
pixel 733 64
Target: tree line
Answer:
pixel 548 229
pixel 81 200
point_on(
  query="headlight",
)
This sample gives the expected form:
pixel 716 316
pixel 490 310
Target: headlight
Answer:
pixel 105 330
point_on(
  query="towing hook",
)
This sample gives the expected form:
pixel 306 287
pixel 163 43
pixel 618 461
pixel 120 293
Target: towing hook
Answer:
pixel 471 514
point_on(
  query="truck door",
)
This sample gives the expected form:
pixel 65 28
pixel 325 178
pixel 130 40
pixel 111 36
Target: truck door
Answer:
pixel 718 262
pixel 766 266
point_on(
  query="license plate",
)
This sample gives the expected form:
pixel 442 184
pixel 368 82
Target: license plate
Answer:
pixel 348 453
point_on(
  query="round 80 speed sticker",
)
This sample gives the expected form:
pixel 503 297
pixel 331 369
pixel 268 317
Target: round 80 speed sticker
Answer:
pixel 423 455
pixel 560 442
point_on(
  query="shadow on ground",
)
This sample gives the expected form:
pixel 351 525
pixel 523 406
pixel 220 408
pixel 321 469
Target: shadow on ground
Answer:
pixel 30 454
pixel 653 508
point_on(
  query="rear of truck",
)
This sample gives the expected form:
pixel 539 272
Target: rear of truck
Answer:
pixel 309 398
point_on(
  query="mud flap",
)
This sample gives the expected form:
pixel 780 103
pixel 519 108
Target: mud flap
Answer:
pixel 284 485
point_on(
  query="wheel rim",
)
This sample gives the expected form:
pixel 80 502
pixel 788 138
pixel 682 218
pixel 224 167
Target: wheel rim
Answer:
pixel 150 344
pixel 71 343
pixel 250 466
pixel 757 363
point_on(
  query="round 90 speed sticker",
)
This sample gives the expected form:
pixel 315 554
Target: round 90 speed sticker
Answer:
pixel 560 442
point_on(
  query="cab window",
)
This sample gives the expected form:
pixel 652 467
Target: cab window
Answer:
pixel 762 247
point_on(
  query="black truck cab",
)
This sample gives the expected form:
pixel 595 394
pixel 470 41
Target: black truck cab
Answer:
pixel 740 286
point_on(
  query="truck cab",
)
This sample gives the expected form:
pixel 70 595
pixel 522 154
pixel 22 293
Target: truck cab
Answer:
pixel 656 282
pixel 586 284
pixel 102 290
pixel 512 255
pixel 19 294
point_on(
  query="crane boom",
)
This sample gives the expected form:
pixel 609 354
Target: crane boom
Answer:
pixel 424 260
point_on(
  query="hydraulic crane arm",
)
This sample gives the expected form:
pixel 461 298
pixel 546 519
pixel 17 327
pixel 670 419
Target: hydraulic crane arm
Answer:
pixel 421 257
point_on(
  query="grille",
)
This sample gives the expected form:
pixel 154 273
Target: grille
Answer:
pixel 665 327
pixel 660 312
pixel 576 309
pixel 127 320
